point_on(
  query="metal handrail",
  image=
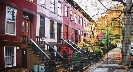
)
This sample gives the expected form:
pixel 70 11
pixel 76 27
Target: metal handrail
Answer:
pixel 71 45
pixel 39 48
pixel 53 48
pixel 76 45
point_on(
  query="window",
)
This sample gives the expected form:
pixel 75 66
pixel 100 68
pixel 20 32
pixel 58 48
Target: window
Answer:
pixel 42 2
pixel 66 32
pixel 75 18
pixel 30 0
pixel 84 23
pixel 66 11
pixel 79 32
pixel 71 17
pixel 79 19
pixel 42 27
pixel 59 9
pixel 52 35
pixel 10 20
pixel 10 56
pixel 52 5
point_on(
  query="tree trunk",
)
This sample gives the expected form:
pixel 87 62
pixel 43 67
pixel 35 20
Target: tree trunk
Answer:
pixel 127 35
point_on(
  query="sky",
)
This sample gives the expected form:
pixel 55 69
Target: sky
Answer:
pixel 94 8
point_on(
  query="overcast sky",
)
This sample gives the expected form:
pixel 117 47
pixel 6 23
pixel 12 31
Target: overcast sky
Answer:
pixel 94 8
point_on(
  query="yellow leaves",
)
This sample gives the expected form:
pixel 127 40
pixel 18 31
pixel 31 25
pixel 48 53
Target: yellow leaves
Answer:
pixel 81 44
pixel 90 49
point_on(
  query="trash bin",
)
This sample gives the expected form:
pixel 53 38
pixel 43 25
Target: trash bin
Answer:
pixel 35 68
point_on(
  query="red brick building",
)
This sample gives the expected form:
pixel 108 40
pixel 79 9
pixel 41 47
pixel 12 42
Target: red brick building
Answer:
pixel 17 19
pixel 74 21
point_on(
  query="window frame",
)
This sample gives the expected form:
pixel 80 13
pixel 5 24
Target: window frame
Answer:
pixel 14 63
pixel 66 31
pixel 59 8
pixel 52 4
pixel 6 20
pixel 42 4
pixel 84 25
pixel 79 19
pixel 66 11
pixel 42 26
pixel 75 18
pixel 52 32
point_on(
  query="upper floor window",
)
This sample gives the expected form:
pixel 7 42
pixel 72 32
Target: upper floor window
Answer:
pixel 84 23
pixel 30 0
pixel 79 19
pixel 10 26
pixel 66 11
pixel 52 5
pixel 59 9
pixel 42 2
pixel 71 17
pixel 52 30
pixel 75 18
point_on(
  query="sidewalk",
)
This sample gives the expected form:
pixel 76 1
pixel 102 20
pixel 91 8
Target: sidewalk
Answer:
pixel 107 63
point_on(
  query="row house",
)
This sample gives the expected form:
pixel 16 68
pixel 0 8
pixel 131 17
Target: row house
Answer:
pixel 74 22
pixel 32 29
pixel 49 20
pixel 17 19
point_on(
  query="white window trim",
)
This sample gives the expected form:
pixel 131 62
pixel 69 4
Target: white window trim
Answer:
pixel 10 21
pixel 14 55
pixel 42 4
pixel 52 6
pixel 66 11
pixel 59 8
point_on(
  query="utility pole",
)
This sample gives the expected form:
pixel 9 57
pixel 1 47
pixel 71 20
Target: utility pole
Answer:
pixel 128 32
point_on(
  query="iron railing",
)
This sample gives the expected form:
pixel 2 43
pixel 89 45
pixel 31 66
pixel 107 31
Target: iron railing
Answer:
pixel 35 47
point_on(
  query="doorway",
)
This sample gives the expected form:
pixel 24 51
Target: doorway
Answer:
pixel 26 27
pixel 76 36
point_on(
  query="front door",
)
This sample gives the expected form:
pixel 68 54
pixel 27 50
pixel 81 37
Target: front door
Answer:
pixel 76 36
pixel 24 58
pixel 26 27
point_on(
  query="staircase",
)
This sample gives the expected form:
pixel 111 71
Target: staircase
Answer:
pixel 44 53
pixel 81 59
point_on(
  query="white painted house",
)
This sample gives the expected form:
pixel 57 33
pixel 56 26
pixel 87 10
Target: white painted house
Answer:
pixel 49 15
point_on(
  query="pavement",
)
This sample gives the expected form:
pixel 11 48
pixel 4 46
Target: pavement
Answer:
pixel 109 63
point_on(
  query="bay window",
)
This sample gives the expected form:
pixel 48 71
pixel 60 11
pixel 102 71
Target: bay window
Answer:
pixel 10 26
